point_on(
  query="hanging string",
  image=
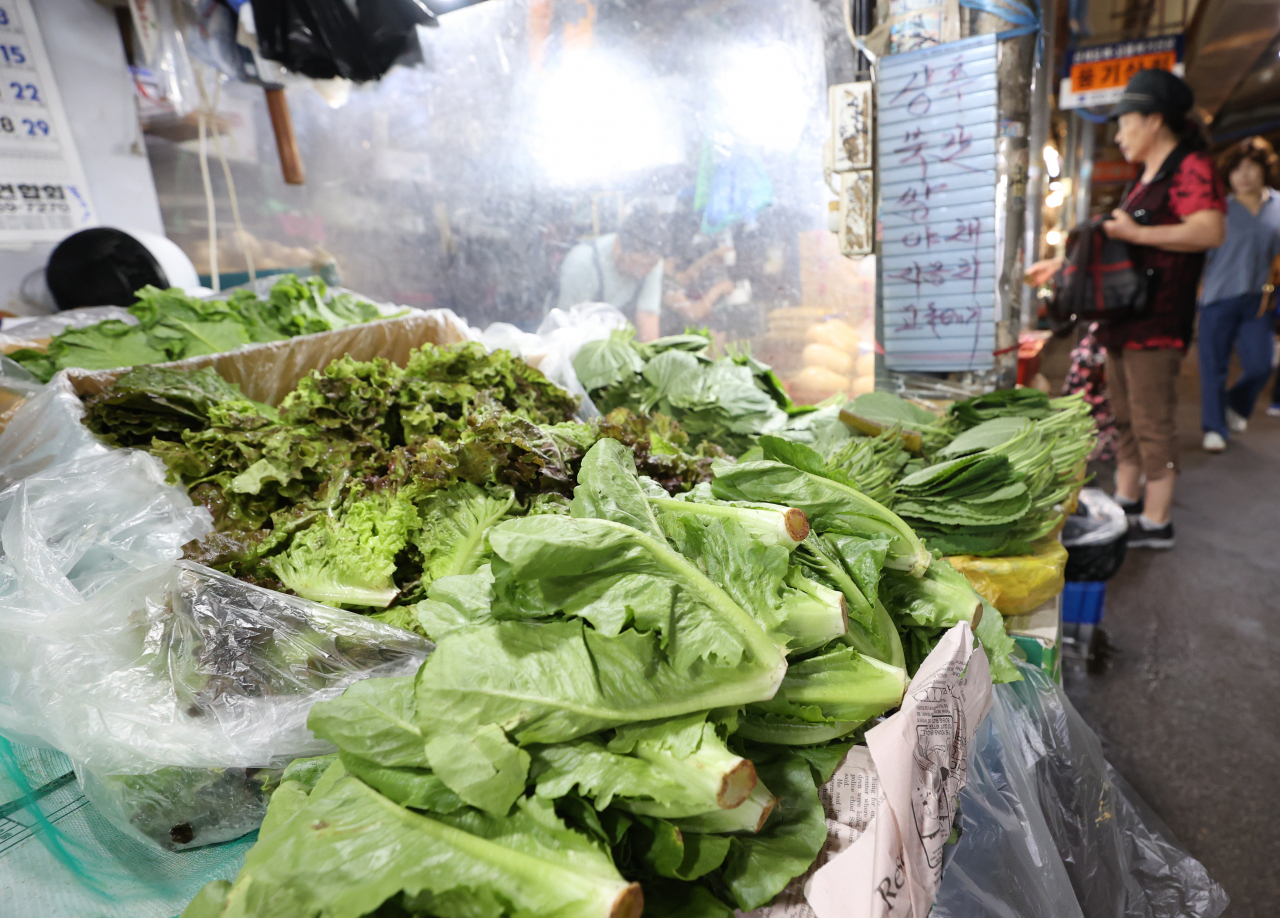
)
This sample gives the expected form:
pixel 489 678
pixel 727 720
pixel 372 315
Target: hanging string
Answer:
pixel 209 110
pixel 211 212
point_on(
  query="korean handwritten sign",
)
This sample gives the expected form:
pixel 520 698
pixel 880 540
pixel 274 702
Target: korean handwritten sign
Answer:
pixel 43 196
pixel 937 144
pixel 1097 75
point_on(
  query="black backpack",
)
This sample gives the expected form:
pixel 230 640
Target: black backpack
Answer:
pixel 1100 281
pixel 1103 279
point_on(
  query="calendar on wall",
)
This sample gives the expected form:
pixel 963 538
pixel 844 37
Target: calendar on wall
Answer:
pixel 43 194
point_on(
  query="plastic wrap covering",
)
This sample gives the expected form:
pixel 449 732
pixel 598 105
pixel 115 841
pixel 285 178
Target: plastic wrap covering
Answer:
pixel 169 685
pixel 211 679
pixel 557 341
pixel 28 332
pixel 1018 584
pixel 61 858
pixel 43 431
pixel 1051 831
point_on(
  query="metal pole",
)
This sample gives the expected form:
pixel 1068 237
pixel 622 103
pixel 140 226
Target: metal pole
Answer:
pixel 1084 186
pixel 1039 135
pixel 863 15
pixel 1071 167
pixel 1014 71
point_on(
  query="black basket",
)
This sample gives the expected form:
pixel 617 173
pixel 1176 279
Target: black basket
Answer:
pixel 1096 562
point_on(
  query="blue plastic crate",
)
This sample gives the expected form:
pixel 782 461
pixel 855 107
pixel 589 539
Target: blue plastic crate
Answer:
pixel 1083 601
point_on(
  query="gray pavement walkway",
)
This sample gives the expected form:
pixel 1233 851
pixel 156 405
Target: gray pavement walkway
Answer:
pixel 1188 703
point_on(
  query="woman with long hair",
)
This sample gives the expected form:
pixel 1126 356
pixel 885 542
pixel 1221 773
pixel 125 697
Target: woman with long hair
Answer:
pixel 1233 311
pixel 1170 218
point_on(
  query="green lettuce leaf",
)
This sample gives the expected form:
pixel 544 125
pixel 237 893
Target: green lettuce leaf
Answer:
pixel 453 525
pixel 350 558
pixel 373 719
pixel 824 697
pixel 670 769
pixel 347 850
pixel 944 597
pixel 829 506
pixel 758 867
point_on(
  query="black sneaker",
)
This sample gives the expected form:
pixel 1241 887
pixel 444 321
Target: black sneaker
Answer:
pixel 1140 536
pixel 1131 508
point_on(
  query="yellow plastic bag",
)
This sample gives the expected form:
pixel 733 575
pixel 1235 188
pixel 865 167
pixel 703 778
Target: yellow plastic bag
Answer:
pixel 1019 584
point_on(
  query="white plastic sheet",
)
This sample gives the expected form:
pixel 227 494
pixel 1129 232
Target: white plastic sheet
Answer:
pixel 557 341
pixel 169 685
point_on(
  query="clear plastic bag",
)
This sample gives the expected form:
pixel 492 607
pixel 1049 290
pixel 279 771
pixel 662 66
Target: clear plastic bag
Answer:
pixel 45 430
pixel 173 688
pixel 1051 831
pixel 184 705
pixel 1098 520
pixel 559 337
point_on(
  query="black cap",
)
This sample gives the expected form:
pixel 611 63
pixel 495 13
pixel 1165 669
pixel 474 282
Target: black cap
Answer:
pixel 1152 91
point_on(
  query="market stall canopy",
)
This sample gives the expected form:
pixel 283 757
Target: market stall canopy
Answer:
pixel 1225 40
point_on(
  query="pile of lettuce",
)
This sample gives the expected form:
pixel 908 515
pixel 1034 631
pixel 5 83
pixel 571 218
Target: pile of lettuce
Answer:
pixel 988 478
pixel 173 326
pixel 728 401
pixel 647 661
pixel 629 710
pixel 370 481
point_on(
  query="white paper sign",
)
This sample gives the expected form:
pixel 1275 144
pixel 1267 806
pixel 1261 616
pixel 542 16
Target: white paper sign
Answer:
pixel 43 195
pixel 890 806
pixel 937 127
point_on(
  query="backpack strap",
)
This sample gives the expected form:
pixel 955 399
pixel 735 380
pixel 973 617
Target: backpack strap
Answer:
pixel 1172 163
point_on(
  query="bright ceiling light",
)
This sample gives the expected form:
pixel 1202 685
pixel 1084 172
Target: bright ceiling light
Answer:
pixel 761 98
pixel 595 119
pixel 1053 237
pixel 1052 162
pixel 1054 200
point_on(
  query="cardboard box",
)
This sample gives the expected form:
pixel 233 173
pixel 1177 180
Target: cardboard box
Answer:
pixel 1038 635
pixel 268 372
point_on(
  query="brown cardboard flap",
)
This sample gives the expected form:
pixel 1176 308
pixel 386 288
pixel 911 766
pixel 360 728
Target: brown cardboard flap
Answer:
pixel 269 372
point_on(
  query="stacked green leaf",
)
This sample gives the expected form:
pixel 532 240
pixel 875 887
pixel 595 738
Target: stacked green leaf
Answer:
pixel 1001 484
pixel 728 402
pixel 973 496
pixel 873 464
pixel 1031 404
pixel 173 326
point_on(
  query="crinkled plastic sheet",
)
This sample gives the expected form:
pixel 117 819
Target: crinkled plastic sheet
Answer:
pixel 178 692
pixel 1100 521
pixel 1051 831
pixel 1019 584
pixel 556 343
pixel 61 858
pixel 45 431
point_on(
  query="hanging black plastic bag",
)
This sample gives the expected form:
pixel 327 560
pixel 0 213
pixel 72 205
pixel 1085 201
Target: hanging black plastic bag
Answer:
pixel 323 39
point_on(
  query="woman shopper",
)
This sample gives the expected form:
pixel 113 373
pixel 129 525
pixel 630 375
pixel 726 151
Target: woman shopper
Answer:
pixel 1171 217
pixel 1232 310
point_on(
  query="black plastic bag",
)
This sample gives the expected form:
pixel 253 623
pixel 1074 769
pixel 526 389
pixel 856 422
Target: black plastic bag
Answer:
pixel 323 39
pixel 1096 538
